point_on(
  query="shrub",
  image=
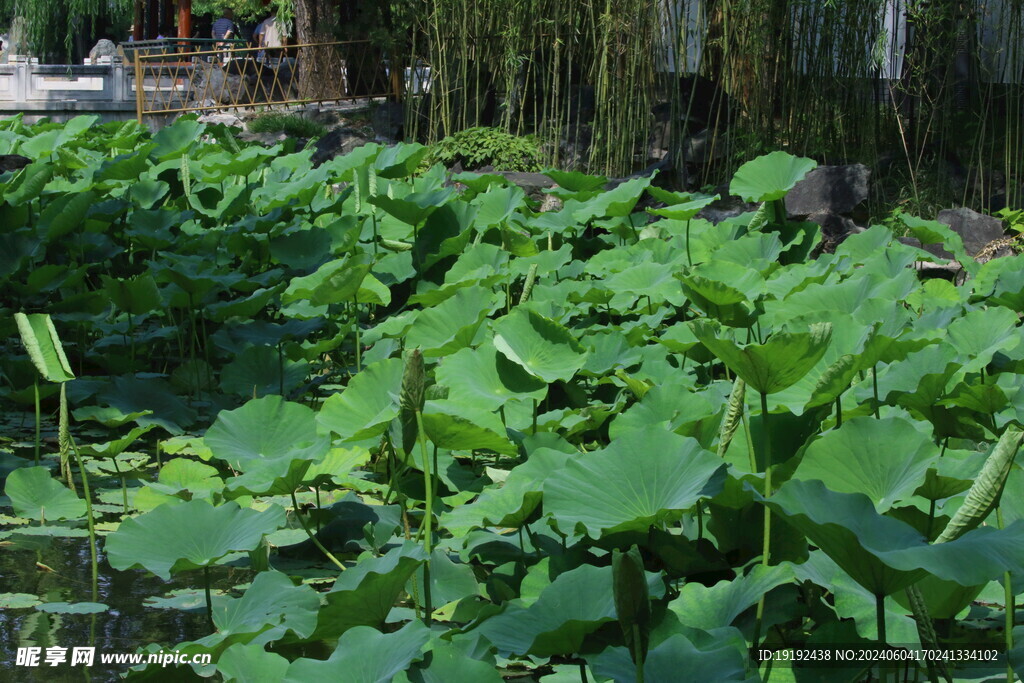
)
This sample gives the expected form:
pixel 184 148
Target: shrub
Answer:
pixel 476 147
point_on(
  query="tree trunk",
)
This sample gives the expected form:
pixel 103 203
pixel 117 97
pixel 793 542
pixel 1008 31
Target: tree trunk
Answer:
pixel 321 70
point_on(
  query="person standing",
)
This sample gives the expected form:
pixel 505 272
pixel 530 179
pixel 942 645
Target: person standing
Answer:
pixel 224 29
pixel 272 37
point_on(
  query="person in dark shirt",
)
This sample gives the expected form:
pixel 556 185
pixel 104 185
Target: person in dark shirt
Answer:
pixel 224 27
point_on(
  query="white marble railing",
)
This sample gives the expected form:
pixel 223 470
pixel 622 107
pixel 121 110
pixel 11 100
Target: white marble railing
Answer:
pixel 26 85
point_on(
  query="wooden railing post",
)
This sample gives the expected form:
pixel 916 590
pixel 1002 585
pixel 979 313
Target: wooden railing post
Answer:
pixel 140 92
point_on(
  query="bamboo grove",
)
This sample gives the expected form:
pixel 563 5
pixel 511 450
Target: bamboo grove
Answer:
pixel 815 77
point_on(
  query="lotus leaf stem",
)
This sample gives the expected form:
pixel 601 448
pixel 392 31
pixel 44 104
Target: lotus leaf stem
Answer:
pixel 312 536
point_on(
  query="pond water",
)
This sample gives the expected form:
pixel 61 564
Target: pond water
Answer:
pixel 58 570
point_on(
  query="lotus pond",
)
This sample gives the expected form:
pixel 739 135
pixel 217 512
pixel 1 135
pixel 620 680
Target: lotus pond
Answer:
pixel 359 422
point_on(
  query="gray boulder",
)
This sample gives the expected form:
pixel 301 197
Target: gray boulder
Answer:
pixel 338 142
pixel 388 121
pixel 102 48
pixel 977 230
pixel 834 229
pixel 13 162
pixel 829 189
pixel 222 118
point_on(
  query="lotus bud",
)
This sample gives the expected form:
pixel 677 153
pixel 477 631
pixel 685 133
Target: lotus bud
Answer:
pixel 411 398
pixel 632 603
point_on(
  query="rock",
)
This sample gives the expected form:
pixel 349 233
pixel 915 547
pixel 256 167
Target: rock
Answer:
pixel 13 162
pixel 725 208
pixel 265 139
pixel 532 183
pixel 339 141
pixel 703 147
pixel 977 230
pixel 834 230
pixel 831 189
pixel 324 117
pixel 388 121
pixel 221 118
pixel 550 203
pixel 102 48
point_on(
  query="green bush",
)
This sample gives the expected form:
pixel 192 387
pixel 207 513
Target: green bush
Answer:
pixel 292 124
pixel 476 147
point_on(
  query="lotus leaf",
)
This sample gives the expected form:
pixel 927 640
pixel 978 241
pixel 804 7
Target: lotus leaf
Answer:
pixel 36 495
pixel 640 479
pixel 540 345
pixel 153 540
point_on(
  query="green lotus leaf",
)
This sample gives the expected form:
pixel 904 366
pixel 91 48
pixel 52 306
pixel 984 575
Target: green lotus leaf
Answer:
pixel 934 232
pixel 671 406
pixel 951 474
pixel 944 599
pixel 724 291
pixel 155 540
pixel 271 441
pixel 512 503
pixel 654 280
pixel 262 371
pixel 456 660
pixel 979 335
pixel 615 203
pixel 36 495
pixel 575 181
pixel 110 449
pixel 641 479
pixel 769 177
pixel 183 474
pixel 540 345
pixel 271 608
pixel 367 405
pixel 363 595
pixel 18 601
pixel 251 663
pixel 413 208
pixel 243 307
pixel 486 378
pixel 154 397
pixel 885 555
pixel 574 605
pixel 174 140
pixel 43 346
pixel 30 183
pixel 459 426
pixel 711 607
pixel 853 601
pixel 136 296
pixel 450 325
pixel 334 282
pixel 399 161
pixel 72 607
pixel 984 495
pixel 773 366
pixel 65 214
pixel 449 581
pixel 1001 281
pixel 684 211
pixel 364 655
pixel 497 205
pixel 719 660
pixel 887 459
